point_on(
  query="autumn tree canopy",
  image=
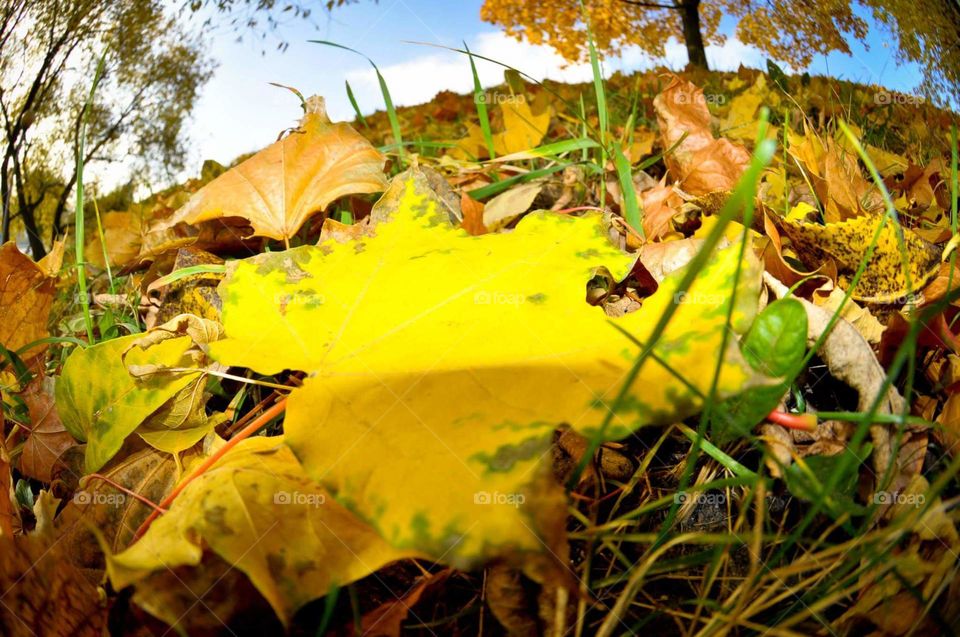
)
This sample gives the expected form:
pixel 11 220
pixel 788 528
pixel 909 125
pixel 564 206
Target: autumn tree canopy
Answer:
pixel 790 32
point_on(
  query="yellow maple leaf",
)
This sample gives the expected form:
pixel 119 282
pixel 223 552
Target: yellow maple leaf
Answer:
pixel 433 353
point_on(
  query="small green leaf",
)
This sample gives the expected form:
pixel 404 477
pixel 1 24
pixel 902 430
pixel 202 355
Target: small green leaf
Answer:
pixel 777 340
pixel 774 345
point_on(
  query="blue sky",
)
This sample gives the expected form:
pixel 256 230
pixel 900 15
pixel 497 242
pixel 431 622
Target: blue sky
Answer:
pixel 239 111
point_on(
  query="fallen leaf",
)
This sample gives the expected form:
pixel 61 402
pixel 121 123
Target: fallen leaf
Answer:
pixel 48 438
pixel 387 619
pixel 660 204
pixel 257 510
pixel 506 207
pixel 472 215
pixel 866 323
pixel 42 594
pixel 104 413
pixel 846 242
pixel 701 163
pixel 469 372
pixel 286 183
pixel 26 293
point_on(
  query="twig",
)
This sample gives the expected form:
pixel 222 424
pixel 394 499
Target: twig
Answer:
pixel 244 433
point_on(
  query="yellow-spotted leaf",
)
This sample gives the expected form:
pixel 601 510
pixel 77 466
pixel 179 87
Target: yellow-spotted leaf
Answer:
pixel 284 184
pixel 105 412
pixel 256 509
pixel 434 353
pixel 886 279
pixel 145 383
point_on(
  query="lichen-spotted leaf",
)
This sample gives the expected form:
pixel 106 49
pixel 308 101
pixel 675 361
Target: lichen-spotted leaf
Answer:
pixel 433 353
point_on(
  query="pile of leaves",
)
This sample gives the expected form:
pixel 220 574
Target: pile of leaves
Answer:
pixel 692 371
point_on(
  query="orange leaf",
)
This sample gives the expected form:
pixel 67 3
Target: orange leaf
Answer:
pixel 26 293
pixel 472 215
pixel 284 184
pixel 701 163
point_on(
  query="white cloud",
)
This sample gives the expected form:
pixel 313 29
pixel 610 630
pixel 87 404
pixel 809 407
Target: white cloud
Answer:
pixel 418 80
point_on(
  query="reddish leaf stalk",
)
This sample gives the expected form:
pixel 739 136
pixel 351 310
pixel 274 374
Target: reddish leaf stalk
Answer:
pixel 254 426
pixel 803 422
pixel 133 494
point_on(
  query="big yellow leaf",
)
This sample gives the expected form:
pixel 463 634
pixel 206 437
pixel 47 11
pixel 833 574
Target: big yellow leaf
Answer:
pixel 257 510
pixel 441 364
pixel 287 182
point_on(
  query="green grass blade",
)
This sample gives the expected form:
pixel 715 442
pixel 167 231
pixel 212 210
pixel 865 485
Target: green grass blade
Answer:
pixel 103 246
pixel 602 115
pixel 550 150
pixel 480 100
pixel 499 186
pixel 353 103
pixel 387 99
pixel 79 220
pixel 631 205
pixel 953 179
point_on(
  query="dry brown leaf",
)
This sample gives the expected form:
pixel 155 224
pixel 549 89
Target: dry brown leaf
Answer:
pixel 42 594
pixel 48 439
pixel 701 163
pixel 284 184
pixel 660 204
pixel 26 293
pixel 472 215
pixel 387 619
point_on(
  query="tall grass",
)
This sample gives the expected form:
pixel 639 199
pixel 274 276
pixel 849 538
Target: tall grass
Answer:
pixel 79 243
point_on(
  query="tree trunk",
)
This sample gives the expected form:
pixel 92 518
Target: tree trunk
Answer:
pixel 693 38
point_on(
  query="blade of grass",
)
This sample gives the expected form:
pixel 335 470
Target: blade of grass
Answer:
pixel 631 205
pixel 500 186
pixel 353 103
pixel 601 95
pixel 387 99
pixel 79 217
pixel 480 100
pixel 103 246
pixel 550 150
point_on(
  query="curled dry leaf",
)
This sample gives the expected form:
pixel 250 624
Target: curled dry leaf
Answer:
pixel 851 360
pixel 701 163
pixel 884 280
pixel 660 204
pixel 286 183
